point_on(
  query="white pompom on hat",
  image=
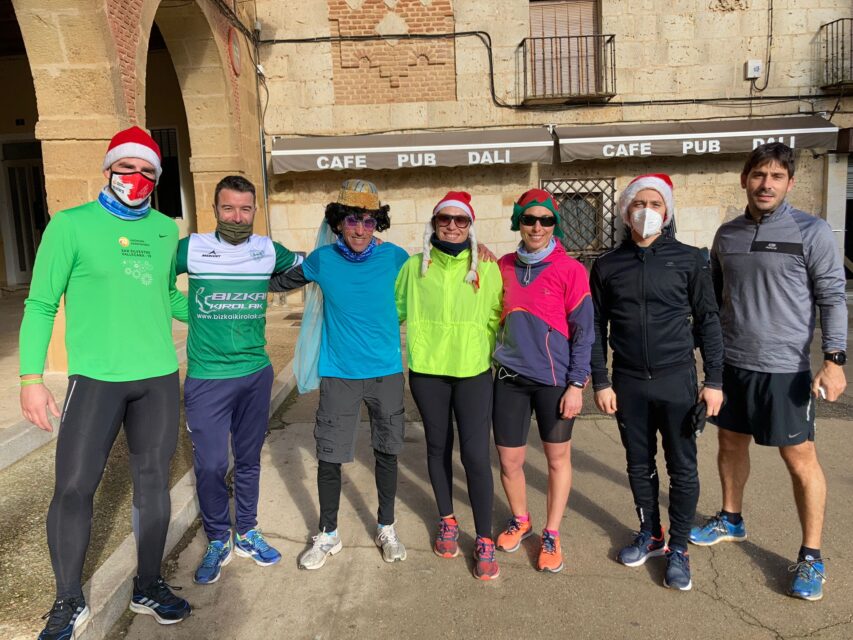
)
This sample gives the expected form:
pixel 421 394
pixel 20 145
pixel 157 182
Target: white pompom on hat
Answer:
pixel 659 182
pixel 134 143
pixel 462 200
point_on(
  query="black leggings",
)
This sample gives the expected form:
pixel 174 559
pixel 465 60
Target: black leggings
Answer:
pixel 94 410
pixel 329 489
pixel 515 400
pixel 439 398
pixel 646 407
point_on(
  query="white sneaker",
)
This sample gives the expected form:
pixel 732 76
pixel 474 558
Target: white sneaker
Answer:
pixel 325 544
pixel 386 539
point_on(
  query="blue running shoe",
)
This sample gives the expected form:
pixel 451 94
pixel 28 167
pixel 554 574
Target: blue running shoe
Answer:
pixel 718 529
pixel 809 576
pixel 218 554
pixel 252 545
pixel 677 574
pixel 643 547
pixel 158 600
pixel 63 620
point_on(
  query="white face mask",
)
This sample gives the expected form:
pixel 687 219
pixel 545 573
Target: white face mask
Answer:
pixel 646 222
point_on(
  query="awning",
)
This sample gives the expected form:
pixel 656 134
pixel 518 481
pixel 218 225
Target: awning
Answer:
pixel 693 138
pixel 399 151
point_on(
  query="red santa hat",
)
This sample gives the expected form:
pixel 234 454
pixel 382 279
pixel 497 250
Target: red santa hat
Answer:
pixel 461 200
pixel 134 143
pixel 659 182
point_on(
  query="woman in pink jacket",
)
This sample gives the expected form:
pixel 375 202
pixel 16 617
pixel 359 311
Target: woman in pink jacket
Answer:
pixel 543 362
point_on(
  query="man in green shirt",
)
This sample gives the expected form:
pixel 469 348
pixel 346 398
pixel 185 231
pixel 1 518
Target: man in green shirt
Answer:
pixel 229 375
pixel 113 260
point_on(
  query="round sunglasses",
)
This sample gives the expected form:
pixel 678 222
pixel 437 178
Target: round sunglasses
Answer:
pixel 368 223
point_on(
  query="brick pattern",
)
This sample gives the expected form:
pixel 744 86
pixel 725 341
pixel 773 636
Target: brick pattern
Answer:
pixel 123 17
pixel 376 72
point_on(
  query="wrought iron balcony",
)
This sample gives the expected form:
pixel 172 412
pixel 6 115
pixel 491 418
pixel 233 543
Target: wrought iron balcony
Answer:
pixel 836 47
pixel 569 69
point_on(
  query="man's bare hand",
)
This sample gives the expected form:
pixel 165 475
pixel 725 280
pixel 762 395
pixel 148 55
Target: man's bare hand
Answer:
pixel 713 399
pixel 36 401
pixel 605 400
pixel 831 378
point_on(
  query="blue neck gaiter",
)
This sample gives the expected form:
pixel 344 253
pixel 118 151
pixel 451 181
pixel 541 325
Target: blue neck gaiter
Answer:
pixel 120 210
pixel 351 255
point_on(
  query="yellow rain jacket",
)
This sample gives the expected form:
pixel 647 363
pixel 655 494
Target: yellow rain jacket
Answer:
pixel 451 325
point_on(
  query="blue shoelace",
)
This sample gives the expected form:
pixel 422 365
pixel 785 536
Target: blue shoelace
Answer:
pixel 211 556
pixel 255 538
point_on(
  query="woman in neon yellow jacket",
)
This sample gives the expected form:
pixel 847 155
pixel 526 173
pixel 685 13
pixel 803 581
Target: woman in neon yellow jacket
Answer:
pixel 451 304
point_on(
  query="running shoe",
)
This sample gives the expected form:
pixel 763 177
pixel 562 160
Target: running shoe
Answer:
pixel 446 540
pixel 550 554
pixel 809 576
pixel 217 555
pixel 325 545
pixel 253 545
pixel 386 539
pixel 63 620
pixel 644 546
pixel 485 566
pixel 718 529
pixel 158 600
pixel 677 574
pixel 510 538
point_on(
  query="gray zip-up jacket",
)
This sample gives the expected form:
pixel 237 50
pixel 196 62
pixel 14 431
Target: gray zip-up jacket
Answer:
pixel 768 277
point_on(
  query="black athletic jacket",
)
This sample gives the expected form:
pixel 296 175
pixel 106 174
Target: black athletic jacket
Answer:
pixel 650 299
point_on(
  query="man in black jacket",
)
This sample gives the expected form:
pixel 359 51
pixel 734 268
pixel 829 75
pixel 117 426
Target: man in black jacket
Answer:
pixel 649 293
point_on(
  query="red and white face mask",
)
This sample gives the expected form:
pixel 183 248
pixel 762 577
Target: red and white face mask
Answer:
pixel 133 189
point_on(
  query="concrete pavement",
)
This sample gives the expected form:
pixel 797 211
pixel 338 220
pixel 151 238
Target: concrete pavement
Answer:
pixel 738 588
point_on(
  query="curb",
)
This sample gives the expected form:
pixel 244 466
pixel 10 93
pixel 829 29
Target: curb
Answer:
pixel 109 590
pixel 21 439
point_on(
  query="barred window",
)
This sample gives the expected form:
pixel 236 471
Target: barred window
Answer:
pixel 587 213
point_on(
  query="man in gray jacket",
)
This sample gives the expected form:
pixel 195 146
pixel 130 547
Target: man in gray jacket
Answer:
pixel 770 267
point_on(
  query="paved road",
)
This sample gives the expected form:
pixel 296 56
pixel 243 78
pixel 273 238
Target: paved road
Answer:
pixel 738 593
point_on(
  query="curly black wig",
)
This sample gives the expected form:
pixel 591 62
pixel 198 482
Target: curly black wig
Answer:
pixel 336 212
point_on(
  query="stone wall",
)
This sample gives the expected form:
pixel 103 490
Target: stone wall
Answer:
pixel 666 50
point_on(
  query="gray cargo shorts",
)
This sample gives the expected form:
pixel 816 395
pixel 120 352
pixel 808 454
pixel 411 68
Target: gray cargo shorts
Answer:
pixel 340 409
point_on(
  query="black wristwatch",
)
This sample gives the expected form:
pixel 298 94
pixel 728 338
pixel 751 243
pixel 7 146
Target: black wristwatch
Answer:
pixel 576 384
pixel 839 357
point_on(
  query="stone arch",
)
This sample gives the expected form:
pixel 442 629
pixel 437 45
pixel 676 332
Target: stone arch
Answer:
pixel 78 93
pixel 196 36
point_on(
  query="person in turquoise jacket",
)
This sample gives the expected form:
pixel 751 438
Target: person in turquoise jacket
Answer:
pixel 451 303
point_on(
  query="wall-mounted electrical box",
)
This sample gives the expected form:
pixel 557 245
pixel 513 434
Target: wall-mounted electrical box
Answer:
pixel 752 69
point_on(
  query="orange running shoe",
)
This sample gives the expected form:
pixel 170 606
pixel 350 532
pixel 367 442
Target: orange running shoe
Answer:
pixel 485 567
pixel 446 545
pixel 510 538
pixel 550 555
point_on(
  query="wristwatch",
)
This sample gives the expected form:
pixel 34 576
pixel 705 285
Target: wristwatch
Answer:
pixel 576 384
pixel 839 357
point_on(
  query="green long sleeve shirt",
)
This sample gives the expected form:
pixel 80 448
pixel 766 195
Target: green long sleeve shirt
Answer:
pixel 118 279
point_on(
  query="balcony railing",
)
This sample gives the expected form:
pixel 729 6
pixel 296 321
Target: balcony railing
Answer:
pixel 569 68
pixel 836 44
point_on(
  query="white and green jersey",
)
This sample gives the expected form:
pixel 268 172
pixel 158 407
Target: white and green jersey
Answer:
pixel 228 302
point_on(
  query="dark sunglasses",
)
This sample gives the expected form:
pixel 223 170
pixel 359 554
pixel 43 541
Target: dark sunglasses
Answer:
pixel 444 219
pixel 368 223
pixel 529 220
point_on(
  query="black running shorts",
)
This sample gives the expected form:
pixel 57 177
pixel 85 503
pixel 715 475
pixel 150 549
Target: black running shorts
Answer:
pixel 776 409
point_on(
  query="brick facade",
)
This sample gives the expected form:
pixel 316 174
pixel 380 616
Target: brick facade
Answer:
pixel 379 72
pixel 123 17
